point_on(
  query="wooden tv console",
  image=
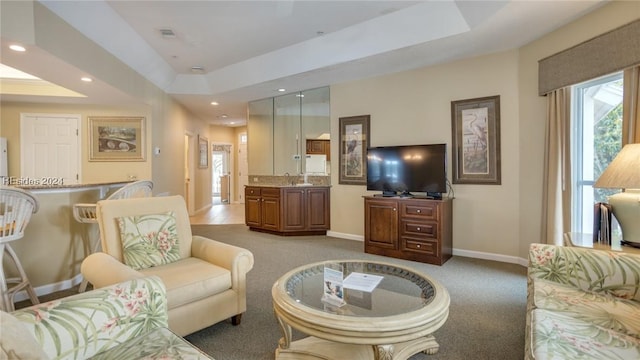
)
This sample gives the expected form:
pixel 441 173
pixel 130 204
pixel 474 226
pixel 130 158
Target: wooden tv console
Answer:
pixel 408 228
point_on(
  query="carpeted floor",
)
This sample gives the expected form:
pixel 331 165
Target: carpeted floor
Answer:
pixel 486 318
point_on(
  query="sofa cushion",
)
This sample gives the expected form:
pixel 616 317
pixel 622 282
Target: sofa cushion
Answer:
pixel 560 336
pixel 149 240
pixel 160 343
pixel 16 342
pixel 82 325
pixel 602 309
pixel 191 279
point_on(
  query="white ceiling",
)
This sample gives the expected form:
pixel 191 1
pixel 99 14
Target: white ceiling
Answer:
pixel 249 49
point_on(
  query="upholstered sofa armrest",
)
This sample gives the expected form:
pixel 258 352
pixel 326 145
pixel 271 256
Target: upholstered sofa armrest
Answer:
pixel 610 272
pixel 83 325
pixel 236 259
pixel 101 270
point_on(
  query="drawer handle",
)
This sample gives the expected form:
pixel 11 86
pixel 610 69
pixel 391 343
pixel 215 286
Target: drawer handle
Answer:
pixel 394 209
pixel 419 211
pixel 418 246
pixel 418 229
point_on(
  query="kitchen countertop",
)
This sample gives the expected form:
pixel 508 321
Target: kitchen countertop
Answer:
pixel 52 183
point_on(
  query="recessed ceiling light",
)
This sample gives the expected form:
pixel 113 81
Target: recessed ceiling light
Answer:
pixel 214 103
pixel 282 90
pixel 223 116
pixel 197 69
pixel 86 79
pixel 19 48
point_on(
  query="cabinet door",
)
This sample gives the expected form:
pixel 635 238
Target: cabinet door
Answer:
pixel 318 209
pixel 252 207
pixel 271 213
pixel 381 223
pixel 253 211
pixel 315 147
pixel 294 218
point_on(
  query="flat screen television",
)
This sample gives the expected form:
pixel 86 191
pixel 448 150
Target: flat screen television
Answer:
pixel 401 170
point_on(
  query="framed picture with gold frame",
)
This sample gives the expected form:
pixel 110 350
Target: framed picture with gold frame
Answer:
pixel 116 138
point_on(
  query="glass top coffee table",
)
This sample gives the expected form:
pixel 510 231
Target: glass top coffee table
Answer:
pixel 394 320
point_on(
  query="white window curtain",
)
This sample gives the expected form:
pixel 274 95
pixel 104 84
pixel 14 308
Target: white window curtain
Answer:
pixel 556 207
pixel 631 109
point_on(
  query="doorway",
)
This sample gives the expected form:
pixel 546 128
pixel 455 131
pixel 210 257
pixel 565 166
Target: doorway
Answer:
pixel 221 173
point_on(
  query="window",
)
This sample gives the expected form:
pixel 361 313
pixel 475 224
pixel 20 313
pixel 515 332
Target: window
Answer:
pixel 595 140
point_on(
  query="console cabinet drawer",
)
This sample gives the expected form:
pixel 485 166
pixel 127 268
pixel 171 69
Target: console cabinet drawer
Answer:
pixel 419 210
pixel 422 230
pixel 426 247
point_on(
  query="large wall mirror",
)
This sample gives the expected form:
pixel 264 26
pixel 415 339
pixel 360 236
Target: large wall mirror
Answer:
pixel 290 134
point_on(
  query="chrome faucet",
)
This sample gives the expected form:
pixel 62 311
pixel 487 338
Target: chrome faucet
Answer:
pixel 286 178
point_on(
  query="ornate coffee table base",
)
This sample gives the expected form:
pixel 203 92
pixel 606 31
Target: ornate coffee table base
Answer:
pixel 357 330
pixel 312 348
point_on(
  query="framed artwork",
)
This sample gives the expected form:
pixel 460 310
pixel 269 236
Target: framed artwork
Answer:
pixel 203 152
pixel 116 138
pixel 475 127
pixel 354 140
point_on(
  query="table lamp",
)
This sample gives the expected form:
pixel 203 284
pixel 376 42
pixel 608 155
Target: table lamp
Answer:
pixel 624 173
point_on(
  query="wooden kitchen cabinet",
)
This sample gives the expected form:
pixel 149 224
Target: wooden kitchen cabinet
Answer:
pixel 409 228
pixel 288 210
pixel 262 208
pixel 319 147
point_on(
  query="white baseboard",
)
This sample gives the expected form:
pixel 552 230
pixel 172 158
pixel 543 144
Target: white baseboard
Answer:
pixel 51 288
pixel 345 236
pixel 456 252
pixel 490 256
pixel 204 209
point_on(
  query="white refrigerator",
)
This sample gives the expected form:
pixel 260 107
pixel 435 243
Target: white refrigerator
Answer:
pixel 315 164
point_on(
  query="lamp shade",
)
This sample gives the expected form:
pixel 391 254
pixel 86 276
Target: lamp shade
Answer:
pixel 624 170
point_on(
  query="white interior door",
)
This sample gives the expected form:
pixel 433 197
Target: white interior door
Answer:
pixel 49 149
pixel 243 166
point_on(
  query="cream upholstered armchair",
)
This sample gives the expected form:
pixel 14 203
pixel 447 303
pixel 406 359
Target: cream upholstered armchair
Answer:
pixel 205 279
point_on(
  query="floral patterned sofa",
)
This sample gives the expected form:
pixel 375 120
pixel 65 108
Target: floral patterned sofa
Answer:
pixel 123 321
pixel 582 304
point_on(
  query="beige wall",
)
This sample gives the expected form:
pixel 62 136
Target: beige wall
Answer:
pixel 90 171
pixel 414 107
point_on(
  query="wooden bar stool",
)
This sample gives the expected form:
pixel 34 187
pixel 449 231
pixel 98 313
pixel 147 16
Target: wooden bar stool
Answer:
pixel 16 208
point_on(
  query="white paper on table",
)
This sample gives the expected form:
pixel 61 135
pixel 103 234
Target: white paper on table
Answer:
pixel 362 282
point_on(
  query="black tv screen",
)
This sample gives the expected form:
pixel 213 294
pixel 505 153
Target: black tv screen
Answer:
pixel 405 169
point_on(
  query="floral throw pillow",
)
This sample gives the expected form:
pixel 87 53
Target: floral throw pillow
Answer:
pixel 149 240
